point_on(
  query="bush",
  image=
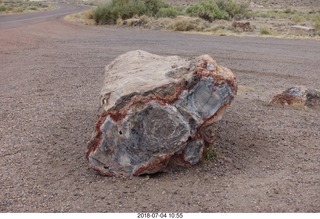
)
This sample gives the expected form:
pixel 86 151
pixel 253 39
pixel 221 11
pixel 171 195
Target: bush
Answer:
pixel 234 10
pixel 3 8
pixel 167 12
pixel 207 10
pixel 265 31
pixel 316 22
pixel 32 8
pixel 219 9
pixel 154 6
pixel 188 24
pixel 297 18
pixel 104 15
pixel 125 9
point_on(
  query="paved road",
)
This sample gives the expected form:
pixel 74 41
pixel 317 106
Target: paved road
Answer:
pixel 18 20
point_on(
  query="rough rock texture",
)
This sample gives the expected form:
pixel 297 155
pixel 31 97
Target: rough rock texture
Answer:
pixel 298 96
pixel 155 109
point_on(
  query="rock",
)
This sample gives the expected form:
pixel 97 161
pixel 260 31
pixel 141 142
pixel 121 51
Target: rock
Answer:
pixel 155 110
pixel 299 95
pixel 244 25
pixel 302 30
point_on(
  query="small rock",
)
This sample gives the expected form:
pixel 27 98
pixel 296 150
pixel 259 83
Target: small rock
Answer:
pixel 299 95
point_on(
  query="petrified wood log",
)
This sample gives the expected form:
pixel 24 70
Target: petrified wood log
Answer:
pixel 154 111
pixel 299 95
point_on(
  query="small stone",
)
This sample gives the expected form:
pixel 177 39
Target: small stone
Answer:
pixel 296 96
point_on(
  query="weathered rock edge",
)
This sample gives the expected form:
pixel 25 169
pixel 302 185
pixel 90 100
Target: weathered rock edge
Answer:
pixel 155 109
pixel 298 95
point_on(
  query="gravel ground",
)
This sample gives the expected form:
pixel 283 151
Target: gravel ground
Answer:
pixel 268 157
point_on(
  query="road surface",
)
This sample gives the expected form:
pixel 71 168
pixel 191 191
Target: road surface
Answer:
pixel 18 20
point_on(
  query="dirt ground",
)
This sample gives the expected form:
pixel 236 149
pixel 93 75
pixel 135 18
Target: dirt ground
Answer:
pixel 268 157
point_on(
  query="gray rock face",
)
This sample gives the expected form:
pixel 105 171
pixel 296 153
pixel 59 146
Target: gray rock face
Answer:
pixel 155 109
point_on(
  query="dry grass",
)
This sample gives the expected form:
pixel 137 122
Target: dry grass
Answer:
pixel 265 30
pixel 142 21
pixel 183 23
pixel 82 18
pixel 14 7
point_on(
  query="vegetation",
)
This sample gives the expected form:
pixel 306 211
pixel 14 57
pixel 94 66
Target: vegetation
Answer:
pixel 210 154
pixel 219 9
pixel 188 24
pixel 208 10
pixel 11 6
pixel 316 22
pixel 125 9
pixel 167 12
pixel 265 31
pixel 235 10
pixel 200 16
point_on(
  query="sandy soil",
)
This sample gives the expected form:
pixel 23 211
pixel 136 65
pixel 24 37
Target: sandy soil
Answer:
pixel 268 157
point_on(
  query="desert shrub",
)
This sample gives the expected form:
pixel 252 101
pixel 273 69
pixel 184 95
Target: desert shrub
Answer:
pixel 316 22
pixel 265 31
pixel 104 15
pixel 167 12
pixel 234 10
pixel 128 8
pixel 18 10
pixel 297 18
pixel 143 21
pixel 154 6
pixel 125 9
pixel 3 8
pixel 207 10
pixel 32 8
pixel 188 24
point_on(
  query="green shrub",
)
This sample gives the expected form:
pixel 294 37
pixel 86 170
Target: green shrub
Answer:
pixel 3 8
pixel 234 10
pixel 154 6
pixel 210 154
pixel 167 12
pixel 207 10
pixel 125 9
pixel 104 15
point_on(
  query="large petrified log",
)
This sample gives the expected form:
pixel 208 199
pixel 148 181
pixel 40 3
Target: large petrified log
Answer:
pixel 155 109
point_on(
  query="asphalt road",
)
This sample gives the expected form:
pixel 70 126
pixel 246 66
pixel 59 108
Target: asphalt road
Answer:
pixel 18 20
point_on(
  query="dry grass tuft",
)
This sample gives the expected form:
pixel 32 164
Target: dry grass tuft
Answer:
pixel 85 18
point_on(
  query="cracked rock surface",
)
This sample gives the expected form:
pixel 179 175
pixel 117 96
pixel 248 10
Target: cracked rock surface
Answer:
pixel 154 111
